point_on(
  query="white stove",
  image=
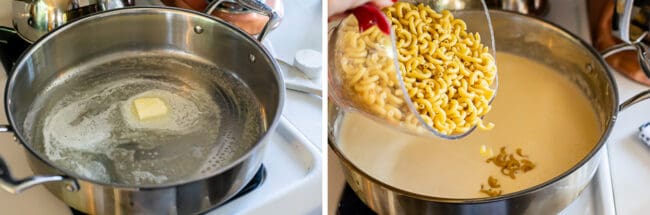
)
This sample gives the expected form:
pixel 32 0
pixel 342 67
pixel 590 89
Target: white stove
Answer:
pixel 293 159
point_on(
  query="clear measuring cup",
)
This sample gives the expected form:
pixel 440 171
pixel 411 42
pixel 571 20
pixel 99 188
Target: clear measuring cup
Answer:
pixel 364 73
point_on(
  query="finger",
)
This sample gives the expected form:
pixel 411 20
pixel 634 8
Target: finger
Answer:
pixel 383 3
pixel 336 16
pixel 337 7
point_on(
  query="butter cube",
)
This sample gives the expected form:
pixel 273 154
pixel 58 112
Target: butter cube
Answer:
pixel 149 107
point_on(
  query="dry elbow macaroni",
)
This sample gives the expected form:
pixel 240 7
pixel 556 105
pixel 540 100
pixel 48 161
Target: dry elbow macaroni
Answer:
pixel 367 74
pixel 447 72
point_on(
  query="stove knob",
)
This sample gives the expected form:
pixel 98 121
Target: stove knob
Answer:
pixel 644 133
pixel 309 62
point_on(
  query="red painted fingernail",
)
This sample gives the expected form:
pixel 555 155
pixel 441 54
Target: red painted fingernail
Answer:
pixel 369 15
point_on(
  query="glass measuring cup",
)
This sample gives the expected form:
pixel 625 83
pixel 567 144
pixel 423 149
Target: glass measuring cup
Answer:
pixel 365 74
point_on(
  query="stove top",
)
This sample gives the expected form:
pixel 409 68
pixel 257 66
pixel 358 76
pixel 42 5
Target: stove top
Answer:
pixel 596 199
pixel 291 173
pixel 351 204
pixel 292 163
pixel 257 180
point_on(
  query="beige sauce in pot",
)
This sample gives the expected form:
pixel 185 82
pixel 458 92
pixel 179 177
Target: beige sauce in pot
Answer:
pixel 536 109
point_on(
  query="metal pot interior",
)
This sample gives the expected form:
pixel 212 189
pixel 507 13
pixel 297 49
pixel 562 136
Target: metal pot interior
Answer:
pixel 186 51
pixel 533 39
pixel 554 47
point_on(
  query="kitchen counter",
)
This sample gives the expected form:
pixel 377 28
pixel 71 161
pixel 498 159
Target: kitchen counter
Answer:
pixel 629 158
pixel 301 29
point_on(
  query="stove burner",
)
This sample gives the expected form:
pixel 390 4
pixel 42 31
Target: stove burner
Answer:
pixel 351 204
pixel 11 47
pixel 257 181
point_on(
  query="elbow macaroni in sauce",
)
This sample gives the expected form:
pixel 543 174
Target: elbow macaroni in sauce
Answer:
pixel 566 130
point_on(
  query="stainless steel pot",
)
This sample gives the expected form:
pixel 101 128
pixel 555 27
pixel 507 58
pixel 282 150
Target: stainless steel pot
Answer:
pixel 232 11
pixel 546 43
pixel 34 18
pixel 165 30
pixel 530 7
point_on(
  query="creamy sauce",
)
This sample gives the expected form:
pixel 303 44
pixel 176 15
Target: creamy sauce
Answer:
pixel 536 109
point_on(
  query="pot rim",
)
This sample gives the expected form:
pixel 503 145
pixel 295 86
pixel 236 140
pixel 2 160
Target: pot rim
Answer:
pixel 138 10
pixel 601 142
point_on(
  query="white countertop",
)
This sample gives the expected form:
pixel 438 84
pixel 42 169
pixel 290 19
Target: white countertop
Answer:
pixel 301 29
pixel 629 158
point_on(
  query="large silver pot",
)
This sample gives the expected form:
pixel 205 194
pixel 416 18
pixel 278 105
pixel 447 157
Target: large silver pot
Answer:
pixel 161 30
pixel 540 41
pixel 34 18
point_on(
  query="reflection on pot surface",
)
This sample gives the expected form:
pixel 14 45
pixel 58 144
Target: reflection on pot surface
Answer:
pixel 551 121
pixel 96 131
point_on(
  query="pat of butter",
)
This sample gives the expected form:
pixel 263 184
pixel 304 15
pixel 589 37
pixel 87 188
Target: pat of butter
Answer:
pixel 149 107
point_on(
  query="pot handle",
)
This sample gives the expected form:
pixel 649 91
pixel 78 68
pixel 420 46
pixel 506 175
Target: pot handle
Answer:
pixel 616 49
pixel 635 45
pixel 256 7
pixel 634 99
pixel 625 18
pixel 15 186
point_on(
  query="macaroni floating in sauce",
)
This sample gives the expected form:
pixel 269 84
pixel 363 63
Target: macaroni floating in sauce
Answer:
pixel 565 131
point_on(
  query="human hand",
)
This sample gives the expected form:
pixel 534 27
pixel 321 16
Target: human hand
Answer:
pixel 338 7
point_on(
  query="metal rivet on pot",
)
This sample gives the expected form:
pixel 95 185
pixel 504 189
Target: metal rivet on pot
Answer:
pixel 251 58
pixel 205 201
pixel 198 29
pixel 70 187
pixel 590 68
